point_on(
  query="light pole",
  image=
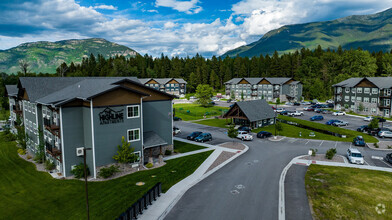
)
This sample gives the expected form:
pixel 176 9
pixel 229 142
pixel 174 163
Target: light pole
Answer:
pixel 276 107
pixel 85 181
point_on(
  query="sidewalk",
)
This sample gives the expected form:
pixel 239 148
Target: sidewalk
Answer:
pixel 160 208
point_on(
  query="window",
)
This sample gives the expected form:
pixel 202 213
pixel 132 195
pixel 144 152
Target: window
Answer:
pixel 365 109
pixel 359 99
pixel 388 92
pixel 352 107
pixel 338 98
pixel 366 99
pixel 133 111
pixel 374 110
pixel 138 154
pixel 339 89
pixel 133 135
pixel 353 90
pixel 374 100
pixel 359 90
pixel 347 90
pixel 374 91
pixel 353 98
pixel 366 90
pixel 346 98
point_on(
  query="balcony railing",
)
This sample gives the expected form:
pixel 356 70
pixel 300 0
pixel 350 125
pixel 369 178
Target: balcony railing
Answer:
pixel 52 150
pixel 383 105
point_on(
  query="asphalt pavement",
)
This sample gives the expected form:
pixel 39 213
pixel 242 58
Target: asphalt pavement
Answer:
pixel 247 188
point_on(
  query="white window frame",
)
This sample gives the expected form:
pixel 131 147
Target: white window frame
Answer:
pixel 374 91
pixel 139 153
pixel 359 90
pixel 366 90
pixel 366 99
pixel 353 90
pixel 138 111
pixel 359 99
pixel 374 100
pixel 352 98
pixel 347 90
pixel 346 98
pixel 138 129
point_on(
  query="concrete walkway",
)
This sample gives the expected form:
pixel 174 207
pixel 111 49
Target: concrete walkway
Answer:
pixel 160 208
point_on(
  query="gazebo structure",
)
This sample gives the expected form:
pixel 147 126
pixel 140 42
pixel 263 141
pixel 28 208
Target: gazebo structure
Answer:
pixel 254 113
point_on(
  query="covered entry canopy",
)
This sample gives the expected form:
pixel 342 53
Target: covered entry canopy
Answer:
pixel 255 113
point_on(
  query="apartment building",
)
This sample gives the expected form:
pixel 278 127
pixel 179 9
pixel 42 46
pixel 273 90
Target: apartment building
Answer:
pixel 364 95
pixel 66 114
pixel 269 88
pixel 174 86
pixel 15 109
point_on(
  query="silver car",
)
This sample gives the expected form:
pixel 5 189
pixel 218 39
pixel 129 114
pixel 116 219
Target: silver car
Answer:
pixel 384 134
pixel 340 123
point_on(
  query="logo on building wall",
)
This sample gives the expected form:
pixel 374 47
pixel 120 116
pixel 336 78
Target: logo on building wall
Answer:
pixel 110 116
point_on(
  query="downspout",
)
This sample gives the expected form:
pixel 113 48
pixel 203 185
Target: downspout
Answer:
pixel 62 141
pixel 141 128
pixel 93 138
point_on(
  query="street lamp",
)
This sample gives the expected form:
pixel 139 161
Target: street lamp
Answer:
pixel 85 181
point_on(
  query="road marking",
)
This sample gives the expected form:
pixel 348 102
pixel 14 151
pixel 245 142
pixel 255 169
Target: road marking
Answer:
pixel 321 143
pixel 366 162
pixel 307 142
pixel 336 143
pixel 377 158
pixel 386 163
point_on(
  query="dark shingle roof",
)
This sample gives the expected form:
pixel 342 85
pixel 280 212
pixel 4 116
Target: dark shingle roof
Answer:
pixel 255 80
pixel 12 90
pixel 380 82
pixel 162 80
pixel 151 139
pixel 256 110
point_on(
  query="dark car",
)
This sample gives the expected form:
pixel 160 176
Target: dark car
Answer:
pixel 264 134
pixel 318 110
pixel 212 103
pixel 285 112
pixel 317 118
pixel 229 100
pixel 297 103
pixel 359 141
pixel 331 105
pixel 388 158
pixel 231 105
pixel 363 128
pixel 244 128
pixel 203 137
pixel 177 119
pixel 380 119
pixel 374 132
pixel 194 135
pixel 330 122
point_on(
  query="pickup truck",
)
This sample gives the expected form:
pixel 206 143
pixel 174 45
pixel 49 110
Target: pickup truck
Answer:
pixel 243 135
pixel 295 113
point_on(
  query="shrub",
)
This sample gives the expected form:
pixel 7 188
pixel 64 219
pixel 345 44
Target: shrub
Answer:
pixel 376 145
pixel 330 153
pixel 107 172
pixel 9 137
pixel 39 157
pixel 78 171
pixel 21 151
pixel 149 165
pixel 125 153
pixel 49 165
pixel 168 152
pixel 389 147
pixel 29 157
pixel 314 151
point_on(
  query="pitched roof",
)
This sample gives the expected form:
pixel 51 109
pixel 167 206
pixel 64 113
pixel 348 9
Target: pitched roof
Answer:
pixel 12 90
pixel 255 80
pixel 162 80
pixel 256 110
pixel 151 139
pixel 380 82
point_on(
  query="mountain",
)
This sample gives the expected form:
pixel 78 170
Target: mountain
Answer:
pixel 45 57
pixel 370 32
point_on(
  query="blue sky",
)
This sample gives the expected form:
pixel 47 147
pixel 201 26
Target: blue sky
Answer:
pixel 172 27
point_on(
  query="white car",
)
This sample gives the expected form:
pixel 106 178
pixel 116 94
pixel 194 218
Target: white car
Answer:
pixel 339 113
pixel 330 101
pixel 295 113
pixel 279 110
pixel 305 103
pixel 243 135
pixel 289 103
pixel 368 118
pixel 385 134
pixel 176 131
pixel 354 156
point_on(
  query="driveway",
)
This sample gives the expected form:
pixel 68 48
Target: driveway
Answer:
pixel 247 188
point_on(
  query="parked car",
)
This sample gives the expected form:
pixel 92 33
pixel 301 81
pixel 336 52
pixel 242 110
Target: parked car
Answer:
pixel 305 103
pixel 245 136
pixel 385 134
pixel 329 101
pixel 375 132
pixel 325 111
pixel 309 109
pixel 317 118
pixel 363 128
pixel 285 112
pixel 359 141
pixel 340 123
pixel 381 119
pixel 203 137
pixel 289 103
pixel 338 113
pixel 264 134
pixel 297 104
pixel 354 156
pixel 192 97
pixel 279 110
pixel 318 110
pixel 388 158
pixel 229 100
pixel 212 103
pixel 177 119
pixel 244 128
pixel 330 122
pixel 176 131
pixel 295 113
pixel 368 118
pixel 194 135
pixel 331 105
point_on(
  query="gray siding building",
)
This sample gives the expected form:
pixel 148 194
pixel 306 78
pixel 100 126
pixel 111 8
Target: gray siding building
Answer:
pixel 174 86
pixel 364 95
pixel 269 88
pixel 76 112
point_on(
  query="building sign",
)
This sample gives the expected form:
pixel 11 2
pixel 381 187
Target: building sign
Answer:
pixel 110 116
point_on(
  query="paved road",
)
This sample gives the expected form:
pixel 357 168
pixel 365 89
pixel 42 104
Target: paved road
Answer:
pixel 247 188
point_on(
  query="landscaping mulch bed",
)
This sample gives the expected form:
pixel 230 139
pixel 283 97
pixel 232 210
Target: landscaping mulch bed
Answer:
pixel 321 157
pixel 225 155
pixel 382 145
pixel 233 145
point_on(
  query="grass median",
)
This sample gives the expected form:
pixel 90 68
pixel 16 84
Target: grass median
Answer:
pixel 188 112
pixel 182 147
pixel 350 134
pixel 29 194
pixel 349 193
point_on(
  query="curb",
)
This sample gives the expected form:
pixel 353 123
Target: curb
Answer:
pixel 180 194
pixel 378 149
pixel 277 139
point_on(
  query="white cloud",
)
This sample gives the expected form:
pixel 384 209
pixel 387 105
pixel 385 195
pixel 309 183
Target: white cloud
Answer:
pixel 105 7
pixel 153 11
pixel 169 25
pixel 189 7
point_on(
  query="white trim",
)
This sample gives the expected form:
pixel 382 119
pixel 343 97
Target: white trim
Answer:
pixel 138 109
pixel 134 129
pixel 171 129
pixel 141 125
pixel 62 142
pixel 92 136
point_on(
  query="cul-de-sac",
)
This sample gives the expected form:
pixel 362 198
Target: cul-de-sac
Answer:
pixel 189 110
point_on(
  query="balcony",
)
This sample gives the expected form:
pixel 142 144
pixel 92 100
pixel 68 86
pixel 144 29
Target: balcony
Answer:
pixel 17 109
pixel 55 152
pixel 385 95
pixel 383 105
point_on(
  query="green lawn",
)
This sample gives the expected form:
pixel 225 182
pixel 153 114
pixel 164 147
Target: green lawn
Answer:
pixel 182 147
pixel 189 112
pixel 4 114
pixel 350 134
pixel 348 193
pixel 221 123
pixel 29 194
